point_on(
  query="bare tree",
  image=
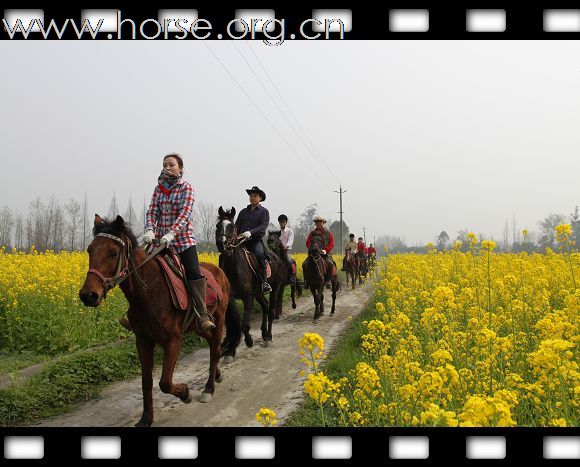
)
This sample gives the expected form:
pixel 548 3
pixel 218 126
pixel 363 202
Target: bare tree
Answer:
pixel 6 226
pixel 548 230
pixel 442 240
pixel 73 212
pixel 85 225
pixel 19 232
pixel 113 207
pixel 205 220
pixel 130 216
pixel 58 227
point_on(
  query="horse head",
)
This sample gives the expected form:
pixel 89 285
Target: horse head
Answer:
pixel 109 254
pixel 315 246
pixel 225 228
pixel 274 242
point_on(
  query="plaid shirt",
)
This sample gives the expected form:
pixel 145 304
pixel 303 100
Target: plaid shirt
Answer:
pixel 173 212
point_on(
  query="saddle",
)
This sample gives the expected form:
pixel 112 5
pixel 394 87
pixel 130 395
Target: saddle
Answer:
pixel 253 263
pixel 174 274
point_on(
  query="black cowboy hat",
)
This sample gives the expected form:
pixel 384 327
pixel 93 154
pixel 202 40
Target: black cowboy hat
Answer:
pixel 255 189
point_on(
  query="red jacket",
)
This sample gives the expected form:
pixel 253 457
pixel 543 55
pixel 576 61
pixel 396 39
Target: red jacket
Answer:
pixel 325 234
pixel 360 246
pixel 372 250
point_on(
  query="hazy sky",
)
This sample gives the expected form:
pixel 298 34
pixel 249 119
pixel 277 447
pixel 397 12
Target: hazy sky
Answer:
pixel 425 136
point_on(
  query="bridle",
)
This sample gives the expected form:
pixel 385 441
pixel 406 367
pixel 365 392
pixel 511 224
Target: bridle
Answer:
pixel 233 241
pixel 122 269
pixel 317 257
pixel 125 262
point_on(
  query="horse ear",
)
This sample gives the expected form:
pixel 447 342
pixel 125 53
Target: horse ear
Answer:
pixel 221 211
pixel 98 220
pixel 233 212
pixel 119 221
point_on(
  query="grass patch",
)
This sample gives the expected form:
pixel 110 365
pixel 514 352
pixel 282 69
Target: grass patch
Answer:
pixel 14 361
pixel 342 359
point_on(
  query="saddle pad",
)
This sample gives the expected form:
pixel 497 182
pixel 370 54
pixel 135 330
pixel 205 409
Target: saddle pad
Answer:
pixel 214 291
pixel 252 262
pixel 179 294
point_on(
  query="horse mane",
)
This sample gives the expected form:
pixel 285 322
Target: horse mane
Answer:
pixel 118 227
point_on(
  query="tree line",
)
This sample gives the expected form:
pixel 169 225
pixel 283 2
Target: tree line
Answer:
pixel 57 226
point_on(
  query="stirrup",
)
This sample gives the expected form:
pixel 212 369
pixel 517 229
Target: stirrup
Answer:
pixel 266 287
pixel 205 322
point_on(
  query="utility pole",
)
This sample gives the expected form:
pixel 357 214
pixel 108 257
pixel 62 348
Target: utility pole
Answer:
pixel 365 234
pixel 340 192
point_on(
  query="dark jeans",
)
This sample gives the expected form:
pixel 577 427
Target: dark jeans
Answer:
pixel 191 263
pixel 257 247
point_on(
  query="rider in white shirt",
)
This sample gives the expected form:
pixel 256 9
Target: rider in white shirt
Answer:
pixel 286 237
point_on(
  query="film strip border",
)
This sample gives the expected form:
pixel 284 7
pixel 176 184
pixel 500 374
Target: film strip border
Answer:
pixel 273 446
pixel 392 23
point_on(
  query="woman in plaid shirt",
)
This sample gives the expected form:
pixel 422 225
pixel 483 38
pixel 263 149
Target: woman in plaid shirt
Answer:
pixel 169 218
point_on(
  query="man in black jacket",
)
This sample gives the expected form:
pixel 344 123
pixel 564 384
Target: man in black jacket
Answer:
pixel 253 222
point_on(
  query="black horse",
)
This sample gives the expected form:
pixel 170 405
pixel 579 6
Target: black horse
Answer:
pixel 244 282
pixel 317 272
pixel 275 245
pixel 363 268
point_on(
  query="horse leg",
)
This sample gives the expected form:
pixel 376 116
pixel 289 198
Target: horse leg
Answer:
pixel 275 308
pixel 316 303
pixel 334 289
pixel 321 300
pixel 170 354
pixel 266 305
pixel 145 350
pixel 293 294
pixel 214 373
pixel 248 305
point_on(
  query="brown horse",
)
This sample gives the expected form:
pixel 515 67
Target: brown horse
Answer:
pixel 351 268
pixel 114 257
pixel 317 272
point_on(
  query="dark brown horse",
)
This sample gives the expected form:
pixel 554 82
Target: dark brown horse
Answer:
pixel 275 246
pixel 317 272
pixel 244 282
pixel 113 257
pixel 362 268
pixel 351 268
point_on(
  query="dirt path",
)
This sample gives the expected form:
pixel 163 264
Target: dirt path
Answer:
pixel 259 376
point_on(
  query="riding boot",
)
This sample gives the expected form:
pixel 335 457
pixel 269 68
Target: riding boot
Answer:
pixel 198 289
pixel 265 286
pixel 343 264
pixel 124 321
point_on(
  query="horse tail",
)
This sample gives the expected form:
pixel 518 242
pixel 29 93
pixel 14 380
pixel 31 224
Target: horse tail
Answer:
pixel 233 328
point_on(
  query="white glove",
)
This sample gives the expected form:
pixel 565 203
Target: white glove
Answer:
pixel 167 239
pixel 323 252
pixel 148 236
pixel 247 234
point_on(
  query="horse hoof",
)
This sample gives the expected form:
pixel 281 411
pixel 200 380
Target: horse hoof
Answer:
pixel 143 423
pixel 219 378
pixel 187 399
pixel 294 306
pixel 315 321
pixel 205 397
pixel 249 342
pixel 228 359
pixel 267 343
